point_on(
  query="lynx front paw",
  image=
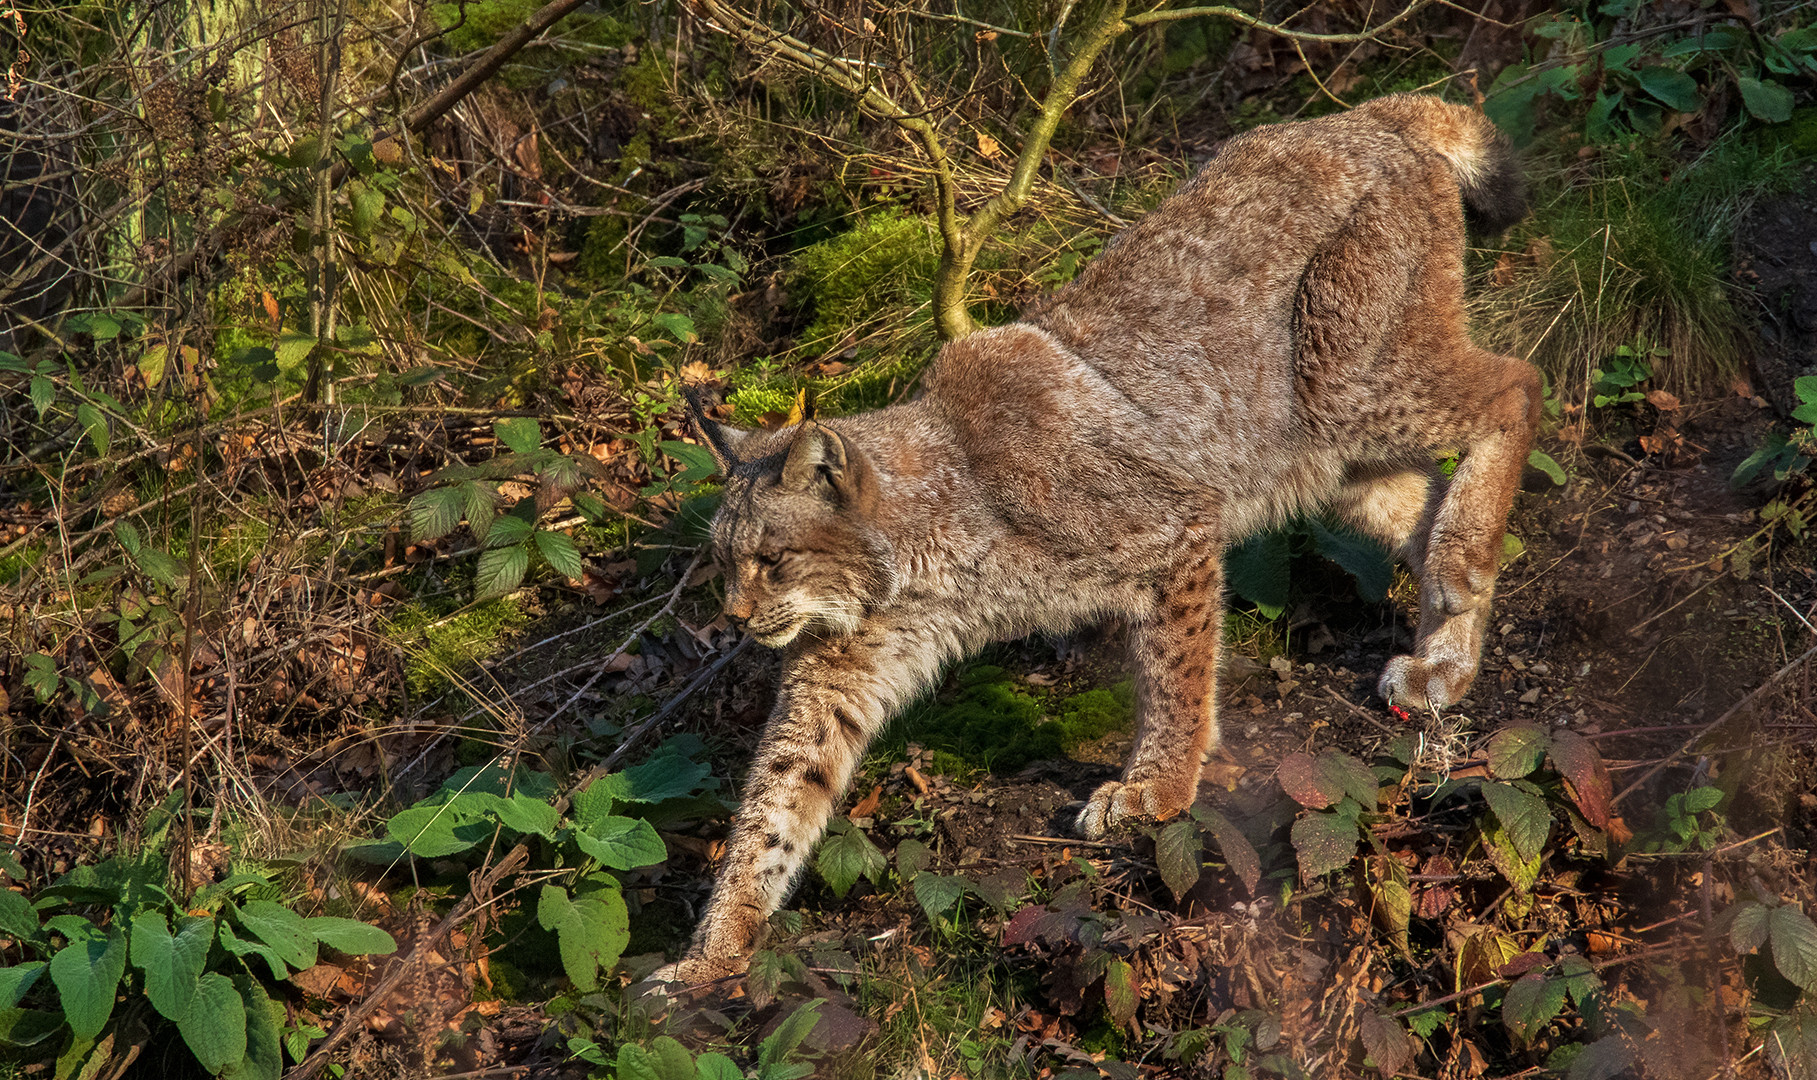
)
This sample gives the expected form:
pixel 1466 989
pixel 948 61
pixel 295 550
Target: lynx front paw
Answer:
pixel 694 972
pixel 1116 800
pixel 1413 683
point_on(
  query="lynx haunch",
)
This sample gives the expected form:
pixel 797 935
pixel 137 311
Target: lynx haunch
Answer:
pixel 1284 335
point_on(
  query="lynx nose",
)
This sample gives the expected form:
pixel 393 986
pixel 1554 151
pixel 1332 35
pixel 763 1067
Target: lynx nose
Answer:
pixel 739 608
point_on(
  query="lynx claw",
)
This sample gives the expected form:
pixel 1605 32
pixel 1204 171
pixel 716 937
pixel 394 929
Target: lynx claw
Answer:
pixel 1115 801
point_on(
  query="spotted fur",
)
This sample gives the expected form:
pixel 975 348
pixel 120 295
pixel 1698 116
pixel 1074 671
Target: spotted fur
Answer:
pixel 1284 335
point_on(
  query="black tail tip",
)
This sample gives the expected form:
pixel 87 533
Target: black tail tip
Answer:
pixel 1497 199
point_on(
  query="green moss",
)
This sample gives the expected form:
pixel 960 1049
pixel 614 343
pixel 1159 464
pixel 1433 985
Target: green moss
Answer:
pixel 883 267
pixel 992 721
pixel 447 648
pixel 12 566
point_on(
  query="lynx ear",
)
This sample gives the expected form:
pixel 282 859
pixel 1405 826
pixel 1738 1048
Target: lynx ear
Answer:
pixel 722 441
pixel 817 454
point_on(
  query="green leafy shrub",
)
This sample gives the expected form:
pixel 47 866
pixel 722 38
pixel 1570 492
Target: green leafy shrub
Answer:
pixel 202 966
pixel 992 720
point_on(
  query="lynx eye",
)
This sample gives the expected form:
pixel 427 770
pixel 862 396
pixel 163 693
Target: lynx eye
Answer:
pixel 769 559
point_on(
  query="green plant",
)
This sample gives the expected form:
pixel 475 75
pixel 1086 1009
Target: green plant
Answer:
pixel 1785 455
pixel 1616 382
pixel 1630 87
pixel 1259 569
pixel 196 964
pixel 1689 822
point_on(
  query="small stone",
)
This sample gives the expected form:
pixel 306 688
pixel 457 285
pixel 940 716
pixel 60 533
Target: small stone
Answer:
pixel 1507 628
pixel 1531 697
pixel 1542 668
pixel 1283 667
pixel 1518 664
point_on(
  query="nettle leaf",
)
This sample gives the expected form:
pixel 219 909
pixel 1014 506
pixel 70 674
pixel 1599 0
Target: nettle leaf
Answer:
pixel 173 964
pixel 591 931
pixel 1545 463
pixel 847 855
pixel 521 433
pixel 937 892
pixel 1179 856
pixel 94 424
pixel 622 843
pixel 214 1025
pixel 437 831
pixel 1766 99
pixel 243 947
pixel 1239 854
pixel 1674 87
pixel 561 554
pixel 1122 993
pixel 435 513
pixel 1389 1046
pixel 87 974
pixel 264 1059
pixel 1794 939
pixel 1525 817
pixel 668 776
pixel 500 570
pixel 280 928
pixel 1325 840
pixel 1516 751
pixel 697 461
pixel 17 981
pixel 1366 561
pixel 1531 1003
pixel 1586 777
pixel 679 326
pixel 912 857
pixel 43 392
pixel 18 918
pixel 351 936
pixel 291 349
pixel 1258 570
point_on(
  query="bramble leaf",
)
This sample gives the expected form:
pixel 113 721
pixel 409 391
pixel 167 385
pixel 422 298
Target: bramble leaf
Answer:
pixel 1794 939
pixel 847 855
pixel 1179 856
pixel 1516 750
pixel 1531 1003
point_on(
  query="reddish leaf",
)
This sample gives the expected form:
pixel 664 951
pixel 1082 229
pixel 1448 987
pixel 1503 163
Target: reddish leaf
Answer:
pixel 1122 993
pixel 1521 964
pixel 1307 784
pixel 1387 1042
pixel 1020 928
pixel 1586 778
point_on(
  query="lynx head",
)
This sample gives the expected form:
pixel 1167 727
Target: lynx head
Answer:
pixel 796 532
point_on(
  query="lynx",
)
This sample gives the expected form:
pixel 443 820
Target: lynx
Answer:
pixel 1284 335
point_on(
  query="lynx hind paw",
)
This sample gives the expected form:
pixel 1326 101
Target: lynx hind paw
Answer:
pixel 1116 801
pixel 1413 683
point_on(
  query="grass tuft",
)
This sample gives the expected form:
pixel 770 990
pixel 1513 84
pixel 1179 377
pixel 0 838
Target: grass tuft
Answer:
pixel 1634 249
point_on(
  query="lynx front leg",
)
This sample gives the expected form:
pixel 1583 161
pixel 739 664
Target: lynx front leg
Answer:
pixel 1464 545
pixel 1175 651
pixel 835 697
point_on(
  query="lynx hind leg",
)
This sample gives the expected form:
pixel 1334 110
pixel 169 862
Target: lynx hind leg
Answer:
pixel 1175 653
pixel 1493 417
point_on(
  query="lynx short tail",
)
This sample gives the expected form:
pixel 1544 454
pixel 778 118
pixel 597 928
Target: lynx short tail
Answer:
pixel 1480 156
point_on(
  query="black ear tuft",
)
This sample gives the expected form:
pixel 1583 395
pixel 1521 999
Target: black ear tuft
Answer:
pixel 721 440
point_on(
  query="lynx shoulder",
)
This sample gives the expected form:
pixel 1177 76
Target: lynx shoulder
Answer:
pixel 1284 335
